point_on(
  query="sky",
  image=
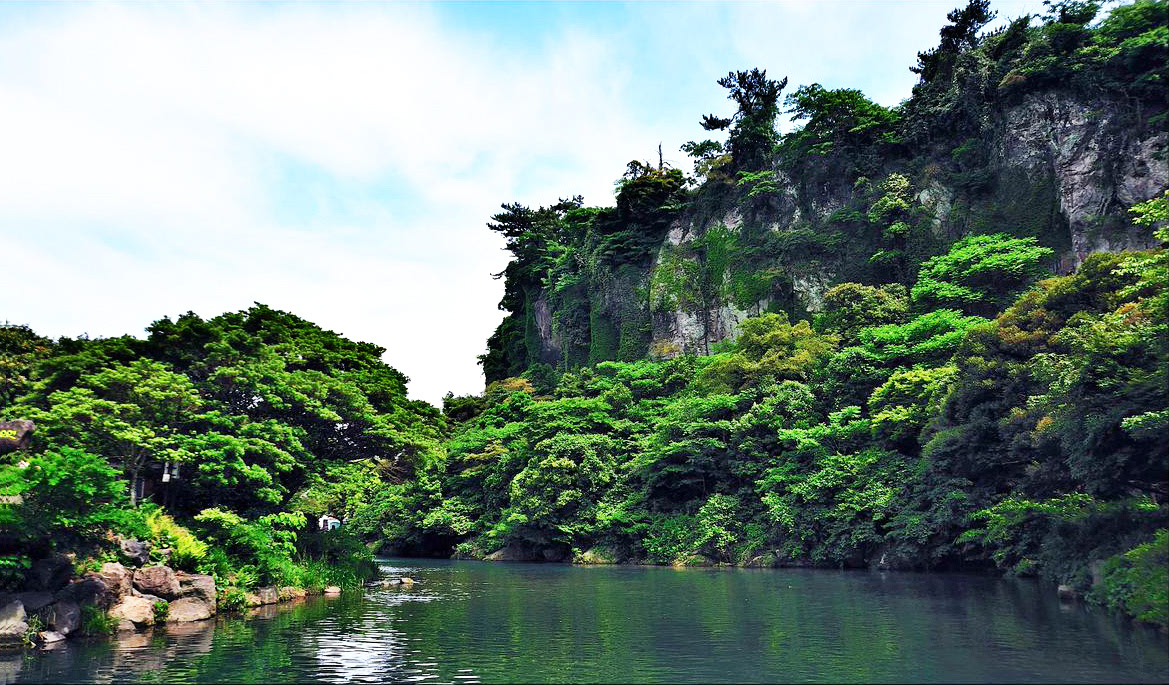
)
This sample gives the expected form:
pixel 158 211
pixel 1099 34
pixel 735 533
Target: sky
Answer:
pixel 340 160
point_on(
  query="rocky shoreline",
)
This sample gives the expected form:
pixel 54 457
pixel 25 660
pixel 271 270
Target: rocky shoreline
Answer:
pixel 56 601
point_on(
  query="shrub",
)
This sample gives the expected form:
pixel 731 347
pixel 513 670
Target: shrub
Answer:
pixel 95 621
pixel 1137 581
pixel 161 611
pixel 187 551
pixel 233 599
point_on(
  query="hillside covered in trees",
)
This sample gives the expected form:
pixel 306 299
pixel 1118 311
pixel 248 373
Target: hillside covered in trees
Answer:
pixel 932 336
pixel 929 336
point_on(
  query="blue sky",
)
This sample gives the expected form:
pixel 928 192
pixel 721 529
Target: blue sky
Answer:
pixel 340 160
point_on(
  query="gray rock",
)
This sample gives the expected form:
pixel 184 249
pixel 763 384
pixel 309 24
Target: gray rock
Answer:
pixel 51 573
pixel 117 577
pixel 92 589
pixel 12 613
pixel 189 609
pixel 150 598
pixel 48 637
pixel 64 616
pixel 138 552
pixel 136 610
pixel 268 595
pixel 159 581
pixel 35 601
pixel 12 625
pixel 197 585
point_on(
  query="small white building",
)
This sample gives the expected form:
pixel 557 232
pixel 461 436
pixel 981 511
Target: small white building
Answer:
pixel 328 522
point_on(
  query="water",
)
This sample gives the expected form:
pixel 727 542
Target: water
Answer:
pixel 468 622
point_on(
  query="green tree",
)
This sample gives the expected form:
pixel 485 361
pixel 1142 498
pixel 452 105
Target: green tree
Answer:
pixel 752 126
pixel 980 274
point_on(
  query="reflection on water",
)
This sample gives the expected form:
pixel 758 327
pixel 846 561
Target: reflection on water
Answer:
pixel 469 622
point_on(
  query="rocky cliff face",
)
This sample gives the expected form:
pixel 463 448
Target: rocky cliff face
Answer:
pixel 1062 169
pixel 1100 165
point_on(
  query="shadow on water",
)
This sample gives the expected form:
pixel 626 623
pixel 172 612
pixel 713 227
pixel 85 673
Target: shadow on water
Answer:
pixel 472 621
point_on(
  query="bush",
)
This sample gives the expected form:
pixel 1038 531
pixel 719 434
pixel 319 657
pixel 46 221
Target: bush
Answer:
pixel 95 621
pixel 1137 581
pixel 161 611
pixel 233 599
pixel 187 551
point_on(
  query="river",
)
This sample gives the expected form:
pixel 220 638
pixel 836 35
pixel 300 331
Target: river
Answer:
pixel 474 622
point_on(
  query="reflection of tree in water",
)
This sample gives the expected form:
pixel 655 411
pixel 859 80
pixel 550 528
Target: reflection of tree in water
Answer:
pixel 555 623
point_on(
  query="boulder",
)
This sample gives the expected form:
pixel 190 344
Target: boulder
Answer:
pixel 117 577
pixel 35 601
pixel 159 581
pixel 48 637
pixel 332 590
pixel 64 617
pixel 51 573
pixel 189 609
pixel 12 625
pixel 1067 593
pixel 198 586
pixel 137 610
pixel 268 595
pixel 294 592
pixel 150 598
pixel 595 555
pixel 253 599
pixel 92 589
pixel 14 435
pixel 136 551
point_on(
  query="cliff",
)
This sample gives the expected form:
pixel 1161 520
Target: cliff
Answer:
pixel 1050 131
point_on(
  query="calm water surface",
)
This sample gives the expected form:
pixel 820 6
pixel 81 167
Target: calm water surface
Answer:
pixel 490 622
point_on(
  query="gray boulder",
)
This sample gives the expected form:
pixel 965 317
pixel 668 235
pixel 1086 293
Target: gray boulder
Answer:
pixel 12 625
pixel 159 581
pixel 199 586
pixel 117 577
pixel 92 589
pixel 64 617
pixel 136 551
pixel 51 573
pixel 137 611
pixel 189 609
pixel 48 637
pixel 35 601
pixel 268 595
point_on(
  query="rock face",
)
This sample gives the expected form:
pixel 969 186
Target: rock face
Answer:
pixel 189 609
pixel 117 577
pixel 136 551
pixel 294 592
pixel 1099 165
pixel 201 587
pixel 12 625
pixel 15 435
pixel 35 601
pixel 51 573
pixel 159 581
pixel 1061 167
pixel 64 616
pixel 92 589
pixel 135 611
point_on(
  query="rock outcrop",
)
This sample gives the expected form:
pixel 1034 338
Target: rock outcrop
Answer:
pixel 159 581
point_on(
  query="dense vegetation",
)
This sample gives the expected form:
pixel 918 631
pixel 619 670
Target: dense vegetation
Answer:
pixel 260 421
pixel 950 403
